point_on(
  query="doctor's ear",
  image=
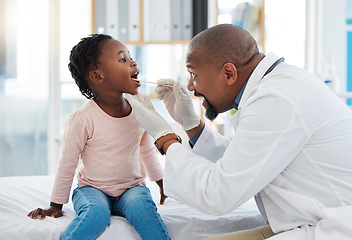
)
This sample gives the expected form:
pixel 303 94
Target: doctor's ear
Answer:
pixel 230 71
pixel 95 77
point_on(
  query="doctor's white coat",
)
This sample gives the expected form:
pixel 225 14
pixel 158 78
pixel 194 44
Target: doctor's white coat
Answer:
pixel 292 143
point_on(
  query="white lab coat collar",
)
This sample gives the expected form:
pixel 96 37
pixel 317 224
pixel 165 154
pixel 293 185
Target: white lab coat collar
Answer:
pixel 257 75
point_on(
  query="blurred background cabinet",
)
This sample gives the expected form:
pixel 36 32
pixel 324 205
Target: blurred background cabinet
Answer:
pixel 150 21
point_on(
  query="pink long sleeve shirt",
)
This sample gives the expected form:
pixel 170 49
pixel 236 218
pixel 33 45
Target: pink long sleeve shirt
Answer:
pixel 115 153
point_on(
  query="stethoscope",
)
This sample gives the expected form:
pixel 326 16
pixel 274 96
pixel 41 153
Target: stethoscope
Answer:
pixel 273 66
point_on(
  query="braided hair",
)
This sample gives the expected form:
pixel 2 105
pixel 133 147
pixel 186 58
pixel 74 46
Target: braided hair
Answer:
pixel 84 57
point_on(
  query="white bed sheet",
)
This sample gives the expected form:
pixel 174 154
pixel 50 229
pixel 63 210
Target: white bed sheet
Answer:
pixel 19 195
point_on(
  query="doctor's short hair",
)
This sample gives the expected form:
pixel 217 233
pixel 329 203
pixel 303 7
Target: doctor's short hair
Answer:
pixel 225 43
pixel 84 57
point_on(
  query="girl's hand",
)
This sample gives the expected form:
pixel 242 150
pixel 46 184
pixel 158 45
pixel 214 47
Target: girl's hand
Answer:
pixel 51 212
pixel 162 195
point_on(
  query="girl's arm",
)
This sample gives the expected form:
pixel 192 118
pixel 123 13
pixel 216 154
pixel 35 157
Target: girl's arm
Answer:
pixel 161 188
pixel 150 158
pixel 151 161
pixel 74 138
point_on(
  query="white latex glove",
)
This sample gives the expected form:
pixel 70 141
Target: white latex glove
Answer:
pixel 178 103
pixel 147 117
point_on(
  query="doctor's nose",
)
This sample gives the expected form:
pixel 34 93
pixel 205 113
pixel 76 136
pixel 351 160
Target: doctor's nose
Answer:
pixel 191 84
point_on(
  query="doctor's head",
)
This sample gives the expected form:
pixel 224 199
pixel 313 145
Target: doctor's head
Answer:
pixel 220 59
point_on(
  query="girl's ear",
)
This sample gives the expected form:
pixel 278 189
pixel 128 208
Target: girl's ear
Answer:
pixel 230 71
pixel 95 77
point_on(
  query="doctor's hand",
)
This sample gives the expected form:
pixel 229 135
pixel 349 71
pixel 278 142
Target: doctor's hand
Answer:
pixel 178 103
pixel 148 118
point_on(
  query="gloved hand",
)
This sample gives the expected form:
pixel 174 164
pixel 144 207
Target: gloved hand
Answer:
pixel 147 117
pixel 178 103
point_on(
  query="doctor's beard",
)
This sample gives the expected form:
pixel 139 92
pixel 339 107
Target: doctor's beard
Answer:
pixel 211 113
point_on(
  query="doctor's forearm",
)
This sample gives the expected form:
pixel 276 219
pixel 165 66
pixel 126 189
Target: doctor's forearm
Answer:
pixel 192 132
pixel 165 141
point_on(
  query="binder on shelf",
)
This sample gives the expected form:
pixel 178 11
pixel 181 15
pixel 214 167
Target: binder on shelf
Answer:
pixel 134 20
pixel 176 19
pixel 100 13
pixel 111 18
pixel 159 24
pixel 123 17
pixel 187 11
pixel 165 20
pixel 181 20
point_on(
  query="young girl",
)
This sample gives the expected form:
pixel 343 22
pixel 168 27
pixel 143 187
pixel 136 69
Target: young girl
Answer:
pixel 114 150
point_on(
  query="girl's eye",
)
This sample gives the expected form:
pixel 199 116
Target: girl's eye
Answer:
pixel 122 60
pixel 193 76
pixel 131 59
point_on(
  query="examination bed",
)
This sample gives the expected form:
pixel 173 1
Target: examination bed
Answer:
pixel 20 195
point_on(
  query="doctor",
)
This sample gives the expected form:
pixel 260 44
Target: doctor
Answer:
pixel 292 147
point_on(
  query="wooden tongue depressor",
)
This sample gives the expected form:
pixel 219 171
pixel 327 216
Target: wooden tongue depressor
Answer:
pixel 168 85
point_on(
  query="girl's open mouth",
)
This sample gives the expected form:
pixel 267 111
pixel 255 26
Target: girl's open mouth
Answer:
pixel 134 78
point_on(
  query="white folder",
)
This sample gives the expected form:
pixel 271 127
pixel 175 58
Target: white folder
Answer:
pixel 100 13
pixel 176 19
pixel 134 20
pixel 159 20
pixel 123 33
pixel 111 18
pixel 187 29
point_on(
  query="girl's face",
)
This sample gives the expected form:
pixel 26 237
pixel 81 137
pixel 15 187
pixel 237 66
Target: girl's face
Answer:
pixel 117 68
